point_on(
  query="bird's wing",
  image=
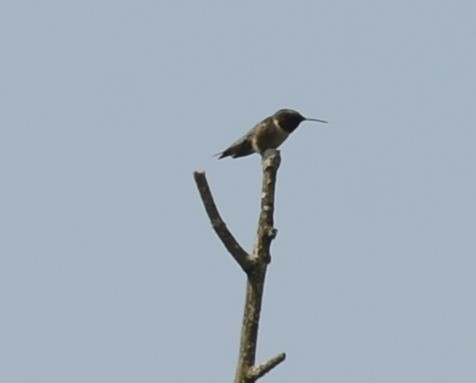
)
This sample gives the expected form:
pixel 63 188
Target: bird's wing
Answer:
pixel 240 147
pixel 240 141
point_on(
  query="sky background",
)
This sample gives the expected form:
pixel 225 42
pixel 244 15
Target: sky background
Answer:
pixel 109 268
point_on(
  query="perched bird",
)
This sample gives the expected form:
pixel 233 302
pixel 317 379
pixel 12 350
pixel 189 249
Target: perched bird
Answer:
pixel 267 134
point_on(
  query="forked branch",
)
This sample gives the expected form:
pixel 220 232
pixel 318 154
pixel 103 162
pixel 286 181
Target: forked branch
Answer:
pixel 254 265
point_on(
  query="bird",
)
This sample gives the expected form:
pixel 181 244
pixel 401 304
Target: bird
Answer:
pixel 267 134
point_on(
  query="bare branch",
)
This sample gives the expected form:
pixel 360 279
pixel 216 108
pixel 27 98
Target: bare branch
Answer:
pixel 254 265
pixel 233 247
pixel 257 372
pixel 256 276
pixel 266 232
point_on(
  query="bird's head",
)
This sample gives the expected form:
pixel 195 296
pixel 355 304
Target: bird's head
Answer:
pixel 289 119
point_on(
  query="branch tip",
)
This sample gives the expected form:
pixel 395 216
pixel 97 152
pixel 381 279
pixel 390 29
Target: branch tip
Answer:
pixel 257 372
pixel 231 244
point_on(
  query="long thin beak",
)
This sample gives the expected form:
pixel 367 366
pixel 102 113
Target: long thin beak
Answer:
pixel 315 119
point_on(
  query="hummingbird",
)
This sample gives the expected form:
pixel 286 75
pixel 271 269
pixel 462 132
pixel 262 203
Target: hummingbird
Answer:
pixel 267 134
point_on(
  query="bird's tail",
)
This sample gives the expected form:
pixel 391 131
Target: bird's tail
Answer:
pixel 221 155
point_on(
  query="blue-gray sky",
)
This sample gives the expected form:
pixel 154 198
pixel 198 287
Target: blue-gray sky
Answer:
pixel 110 271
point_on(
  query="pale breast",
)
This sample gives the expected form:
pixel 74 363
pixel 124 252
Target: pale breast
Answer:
pixel 268 136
